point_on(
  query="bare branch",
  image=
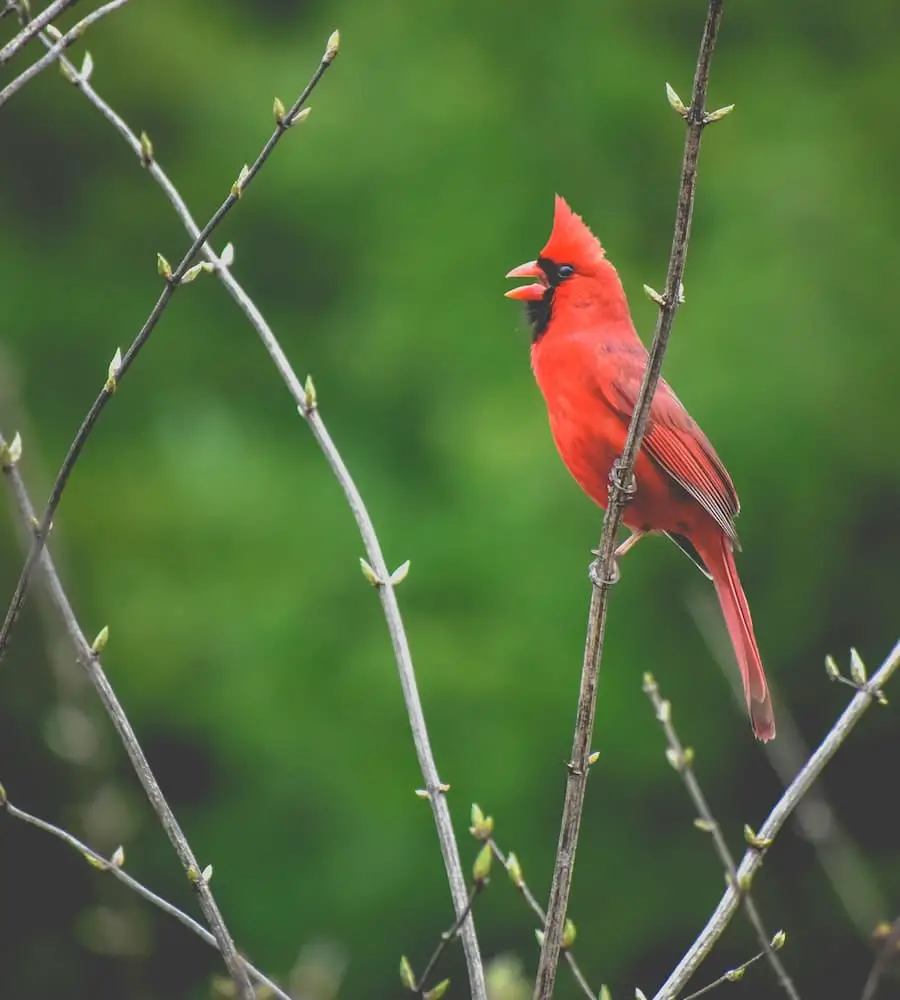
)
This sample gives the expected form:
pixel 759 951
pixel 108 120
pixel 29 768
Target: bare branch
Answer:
pixel 305 402
pixel 31 28
pixel 785 806
pixel 730 976
pixel 621 487
pixel 89 657
pixel 173 280
pixel 681 759
pixel 58 47
pixel 117 871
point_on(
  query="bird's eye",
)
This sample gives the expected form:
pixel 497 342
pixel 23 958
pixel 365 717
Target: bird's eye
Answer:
pixel 565 271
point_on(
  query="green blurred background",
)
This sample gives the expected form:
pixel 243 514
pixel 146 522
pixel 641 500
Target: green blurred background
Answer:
pixel 203 525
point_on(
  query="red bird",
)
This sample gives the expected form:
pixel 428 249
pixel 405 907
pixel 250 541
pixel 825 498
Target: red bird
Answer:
pixel 589 362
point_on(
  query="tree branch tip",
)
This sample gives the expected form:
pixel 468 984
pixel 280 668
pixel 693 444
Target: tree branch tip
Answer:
pixel 99 643
pixel 11 453
pixel 482 826
pixel 332 48
pixel 649 684
pixel 371 576
pixel 675 101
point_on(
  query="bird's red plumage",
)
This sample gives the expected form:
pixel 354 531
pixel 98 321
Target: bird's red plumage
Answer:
pixel 589 361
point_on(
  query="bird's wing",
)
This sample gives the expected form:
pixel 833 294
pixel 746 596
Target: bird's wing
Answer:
pixel 675 442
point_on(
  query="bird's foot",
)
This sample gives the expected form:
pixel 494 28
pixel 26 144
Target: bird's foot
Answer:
pixel 626 488
pixel 595 571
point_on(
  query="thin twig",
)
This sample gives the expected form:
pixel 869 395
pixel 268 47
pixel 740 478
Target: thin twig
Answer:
pixel 447 937
pixel 731 976
pixel 512 866
pixel 845 865
pixel 58 47
pixel 107 865
pixel 434 786
pixel 119 368
pixel 785 806
pixel 681 759
pixel 888 936
pixel 31 27
pixel 89 658
pixel 621 487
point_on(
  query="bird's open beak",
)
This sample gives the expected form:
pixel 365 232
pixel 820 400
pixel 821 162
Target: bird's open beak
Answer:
pixel 528 293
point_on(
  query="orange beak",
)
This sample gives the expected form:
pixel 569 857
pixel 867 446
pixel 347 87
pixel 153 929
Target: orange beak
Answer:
pixel 528 293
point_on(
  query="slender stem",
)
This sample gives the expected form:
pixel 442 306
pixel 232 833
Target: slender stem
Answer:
pixel 90 661
pixel 447 937
pixel 682 761
pixel 538 911
pixel 58 47
pixel 731 976
pixel 172 284
pixel 30 28
pixel 887 952
pixel 105 865
pixel 620 490
pixel 435 787
pixel 785 806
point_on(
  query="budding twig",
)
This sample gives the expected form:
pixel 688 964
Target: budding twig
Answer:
pixel 621 488
pixel 785 806
pixel 307 406
pixel 682 761
pixel 31 27
pixel 113 865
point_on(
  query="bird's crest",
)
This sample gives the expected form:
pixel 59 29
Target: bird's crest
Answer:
pixel 571 242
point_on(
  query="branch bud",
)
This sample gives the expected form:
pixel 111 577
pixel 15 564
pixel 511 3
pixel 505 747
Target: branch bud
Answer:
pixel 333 47
pixel 754 840
pixel 675 101
pixel 437 991
pixel 515 870
pixel 569 934
pixel 593 758
pixel 400 574
pixel 604 993
pixel 310 400
pixel 832 669
pixel 226 257
pixel 163 267
pixel 718 115
pixel 237 189
pixel 857 669
pixel 87 66
pixel 278 110
pixel 99 644
pixel 482 867
pixel 482 826
pixel 112 373
pixel 778 940
pixel 118 857
pixel 735 975
pixel 704 825
pixel 192 272
pixel 654 296
pixel 11 453
pixel 407 976
pixel 539 934
pixel 146 149
pixel 370 574
pixel 300 117
pixel 664 712
pixel 207 874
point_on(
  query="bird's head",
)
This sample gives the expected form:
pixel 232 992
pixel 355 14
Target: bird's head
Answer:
pixel 572 272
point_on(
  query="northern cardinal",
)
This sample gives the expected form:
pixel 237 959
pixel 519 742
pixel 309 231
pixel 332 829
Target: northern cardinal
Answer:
pixel 589 362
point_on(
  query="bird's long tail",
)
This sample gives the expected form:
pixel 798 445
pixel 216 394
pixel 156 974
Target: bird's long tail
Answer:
pixel 719 559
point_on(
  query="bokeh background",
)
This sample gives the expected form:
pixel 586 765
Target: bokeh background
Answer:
pixel 202 523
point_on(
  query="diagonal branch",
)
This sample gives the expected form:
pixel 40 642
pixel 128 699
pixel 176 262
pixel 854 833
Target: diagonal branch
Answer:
pixel 31 27
pixel 89 657
pixel 115 869
pixel 621 487
pixel 58 47
pixel 434 787
pixel 869 691
pixel 173 281
pixel 681 759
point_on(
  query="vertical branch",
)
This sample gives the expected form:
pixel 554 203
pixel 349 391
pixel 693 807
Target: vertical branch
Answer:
pixel 621 488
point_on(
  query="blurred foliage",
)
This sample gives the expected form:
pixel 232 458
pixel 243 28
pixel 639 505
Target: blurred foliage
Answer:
pixel 203 525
